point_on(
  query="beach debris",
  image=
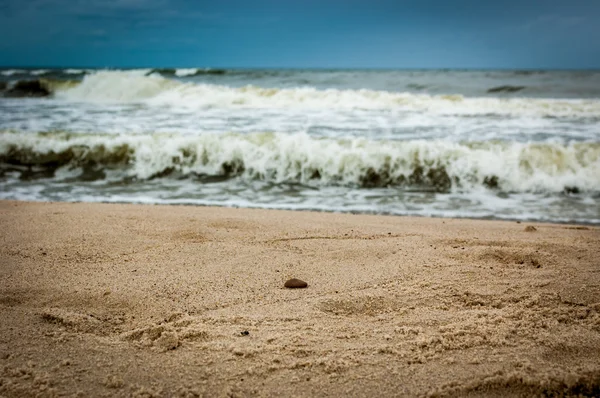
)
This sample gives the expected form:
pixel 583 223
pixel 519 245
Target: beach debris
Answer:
pixel 295 284
pixel 245 333
pixel 530 228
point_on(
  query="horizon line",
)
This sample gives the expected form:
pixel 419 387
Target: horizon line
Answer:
pixel 316 68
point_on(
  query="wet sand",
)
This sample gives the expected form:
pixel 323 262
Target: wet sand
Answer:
pixel 131 300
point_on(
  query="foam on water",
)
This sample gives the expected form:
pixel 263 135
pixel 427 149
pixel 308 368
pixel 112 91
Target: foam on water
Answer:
pixel 77 71
pixel 39 72
pixel 186 72
pixel 135 86
pixel 118 87
pixel 11 72
pixel 240 193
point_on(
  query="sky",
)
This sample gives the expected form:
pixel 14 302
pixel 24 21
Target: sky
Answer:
pixel 514 34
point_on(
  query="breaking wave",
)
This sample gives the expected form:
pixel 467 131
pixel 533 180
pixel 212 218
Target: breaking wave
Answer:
pixel 186 72
pixel 113 86
pixel 11 72
pixel 282 158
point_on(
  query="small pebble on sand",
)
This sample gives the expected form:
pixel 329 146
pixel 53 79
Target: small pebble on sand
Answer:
pixel 295 283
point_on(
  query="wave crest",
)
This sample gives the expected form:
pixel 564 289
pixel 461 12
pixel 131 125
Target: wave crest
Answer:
pixel 187 72
pixel 299 158
pixel 138 86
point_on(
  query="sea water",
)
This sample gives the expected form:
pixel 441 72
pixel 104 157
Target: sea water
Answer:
pixel 520 144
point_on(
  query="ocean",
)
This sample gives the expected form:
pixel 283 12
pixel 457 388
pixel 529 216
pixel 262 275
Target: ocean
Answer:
pixel 507 144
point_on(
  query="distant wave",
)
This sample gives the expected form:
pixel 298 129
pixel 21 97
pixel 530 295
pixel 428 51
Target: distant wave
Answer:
pixel 187 72
pixel 166 72
pixel 528 72
pixel 282 158
pixel 32 74
pixel 76 71
pixel 251 74
pixel 11 72
pixel 505 89
pixel 415 86
pixel 146 86
pixel 138 86
pixel 39 72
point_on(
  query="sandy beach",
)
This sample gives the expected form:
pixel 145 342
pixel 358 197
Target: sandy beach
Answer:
pixel 163 301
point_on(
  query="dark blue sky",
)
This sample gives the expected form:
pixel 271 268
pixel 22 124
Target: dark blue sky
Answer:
pixel 301 33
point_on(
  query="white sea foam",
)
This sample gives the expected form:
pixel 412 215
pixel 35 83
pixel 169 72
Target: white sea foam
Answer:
pixel 39 72
pixel 11 72
pixel 127 86
pixel 134 86
pixel 186 72
pixel 76 71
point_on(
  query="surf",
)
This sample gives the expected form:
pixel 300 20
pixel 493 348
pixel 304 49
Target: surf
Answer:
pixel 155 89
pixel 299 158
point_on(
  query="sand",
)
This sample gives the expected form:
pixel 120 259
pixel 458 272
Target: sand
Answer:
pixel 133 300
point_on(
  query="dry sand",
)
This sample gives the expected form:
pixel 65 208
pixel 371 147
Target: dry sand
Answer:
pixel 128 300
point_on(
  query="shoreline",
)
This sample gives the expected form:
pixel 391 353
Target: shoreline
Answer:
pixel 186 300
pixel 325 211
